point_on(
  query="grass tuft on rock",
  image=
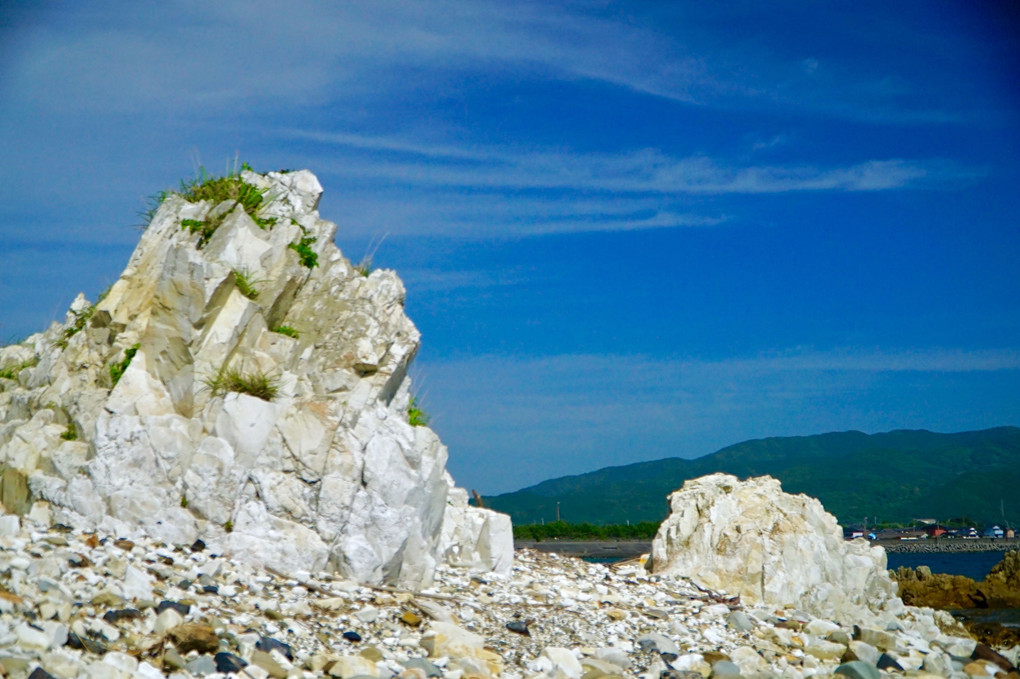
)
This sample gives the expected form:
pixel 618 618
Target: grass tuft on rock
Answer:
pixel 286 330
pixel 117 369
pixel 258 384
pixel 245 284
pixel 12 371
pixel 415 415
pixel 305 253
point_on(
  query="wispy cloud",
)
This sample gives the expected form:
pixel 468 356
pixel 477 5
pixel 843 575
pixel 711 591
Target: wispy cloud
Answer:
pixel 640 171
pixel 218 57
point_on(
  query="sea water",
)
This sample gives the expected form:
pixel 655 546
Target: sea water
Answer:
pixel 974 565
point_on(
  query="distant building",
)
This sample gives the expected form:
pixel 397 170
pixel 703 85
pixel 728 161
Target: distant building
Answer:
pixel 994 532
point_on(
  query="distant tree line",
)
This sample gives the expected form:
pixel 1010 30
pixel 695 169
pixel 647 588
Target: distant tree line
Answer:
pixel 644 530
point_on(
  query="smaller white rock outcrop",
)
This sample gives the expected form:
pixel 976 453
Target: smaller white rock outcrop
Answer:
pixel 751 539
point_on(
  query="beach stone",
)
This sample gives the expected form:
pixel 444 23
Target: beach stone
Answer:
pixel 167 620
pixel 725 668
pixel 201 665
pixel 194 636
pixel 863 651
pixel 858 670
pixel 739 621
pixel 659 643
pixel 824 650
pixel 614 655
pixel 888 662
pixel 228 662
pixel 147 671
pixel 880 639
pixel 32 638
pixel 751 539
pixel 748 659
pixel 348 666
pixel 121 661
pixel 445 639
pixel 562 662
pixel 424 665
pixel 980 668
pixel 267 662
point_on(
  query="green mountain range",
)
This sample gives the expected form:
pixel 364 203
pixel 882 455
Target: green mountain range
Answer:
pixel 893 477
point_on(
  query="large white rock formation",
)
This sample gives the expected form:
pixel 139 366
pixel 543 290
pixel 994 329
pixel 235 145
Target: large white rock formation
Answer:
pixel 751 539
pixel 327 473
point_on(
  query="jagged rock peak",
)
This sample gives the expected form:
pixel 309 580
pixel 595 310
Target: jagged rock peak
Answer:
pixel 241 382
pixel 750 539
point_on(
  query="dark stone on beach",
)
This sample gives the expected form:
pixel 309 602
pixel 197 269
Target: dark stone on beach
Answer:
pixel 79 561
pixel 858 670
pixel 268 644
pixel 228 662
pixel 518 627
pixel 211 589
pixel 85 644
pixel 983 652
pixel 679 674
pixel 40 673
pixel 994 634
pixel 887 662
pixel 115 616
pixel 194 636
pixel 197 546
pixel 352 636
pixel 183 609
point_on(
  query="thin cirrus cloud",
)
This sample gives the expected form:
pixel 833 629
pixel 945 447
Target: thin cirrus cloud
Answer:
pixel 639 171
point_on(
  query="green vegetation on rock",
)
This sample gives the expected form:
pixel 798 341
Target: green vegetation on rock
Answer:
pixel 12 371
pixel 216 190
pixel 415 415
pixel 304 251
pixel 286 330
pixel 117 369
pixel 80 319
pixel 257 383
pixel 245 284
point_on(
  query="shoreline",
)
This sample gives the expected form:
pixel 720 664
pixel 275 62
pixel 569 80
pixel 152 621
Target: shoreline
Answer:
pixel 629 549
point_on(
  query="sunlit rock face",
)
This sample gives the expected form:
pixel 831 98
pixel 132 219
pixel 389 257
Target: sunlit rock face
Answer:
pixel 246 386
pixel 751 539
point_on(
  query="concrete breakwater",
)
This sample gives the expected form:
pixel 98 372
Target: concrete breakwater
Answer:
pixel 589 549
pixel 955 545
pixel 628 549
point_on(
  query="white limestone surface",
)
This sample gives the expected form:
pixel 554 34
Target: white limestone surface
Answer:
pixel 751 539
pixel 328 473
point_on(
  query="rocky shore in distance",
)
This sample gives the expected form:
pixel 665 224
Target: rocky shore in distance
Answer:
pixel 999 590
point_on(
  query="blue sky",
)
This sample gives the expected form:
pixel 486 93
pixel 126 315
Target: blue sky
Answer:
pixel 629 230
